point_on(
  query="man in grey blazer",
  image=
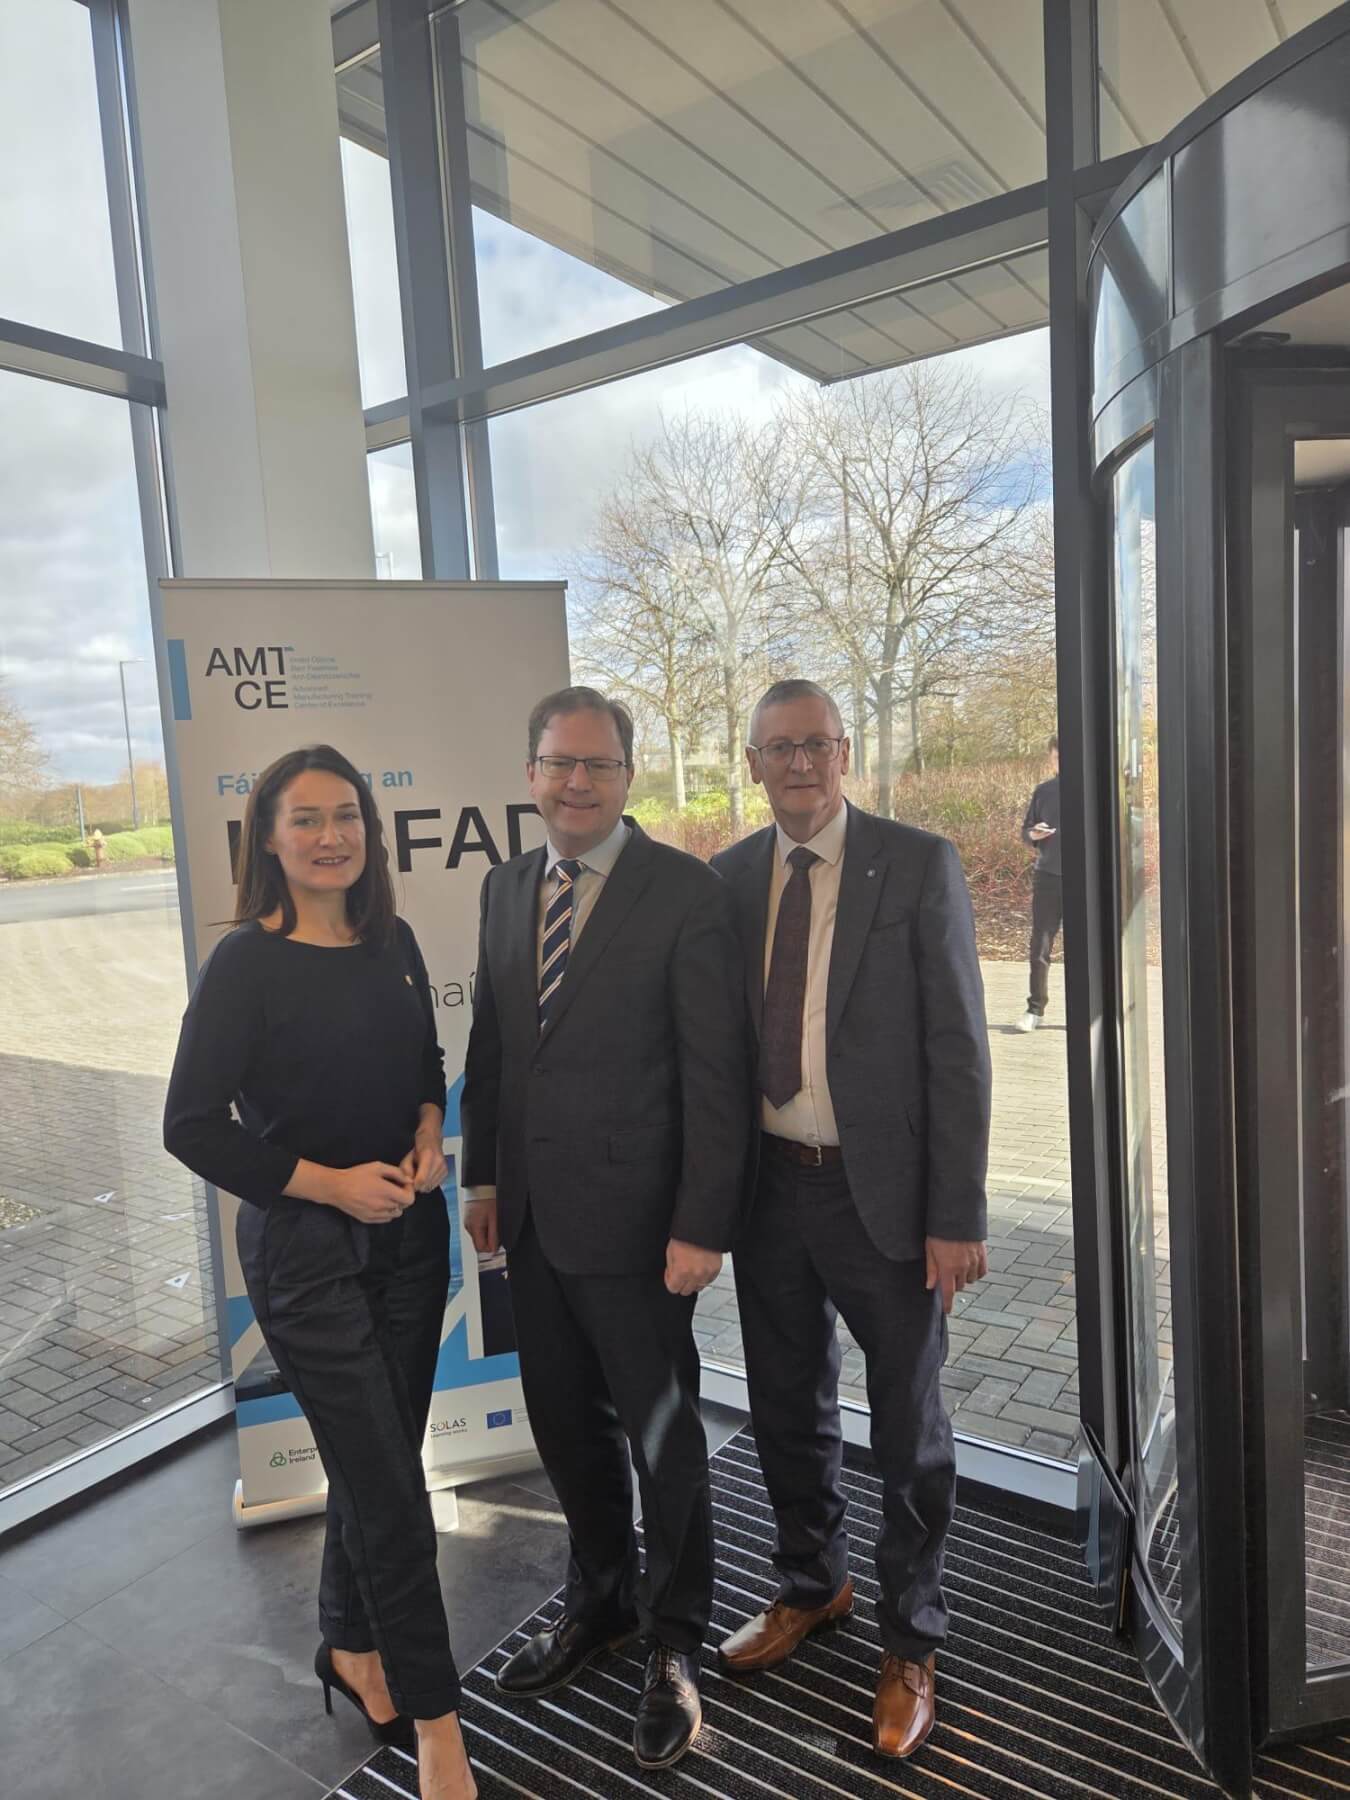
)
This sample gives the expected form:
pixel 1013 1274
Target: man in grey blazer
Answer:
pixel 869 1197
pixel 606 1126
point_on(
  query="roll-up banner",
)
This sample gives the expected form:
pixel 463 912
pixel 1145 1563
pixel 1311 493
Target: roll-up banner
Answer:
pixel 426 687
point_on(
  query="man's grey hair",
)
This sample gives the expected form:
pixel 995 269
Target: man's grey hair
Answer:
pixel 581 699
pixel 796 689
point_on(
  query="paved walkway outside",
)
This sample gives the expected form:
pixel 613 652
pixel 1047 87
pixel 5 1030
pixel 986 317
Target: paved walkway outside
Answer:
pixel 105 1310
pixel 105 1293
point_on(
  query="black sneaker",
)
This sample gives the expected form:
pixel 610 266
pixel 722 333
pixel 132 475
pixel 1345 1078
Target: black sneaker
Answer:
pixel 669 1713
pixel 554 1657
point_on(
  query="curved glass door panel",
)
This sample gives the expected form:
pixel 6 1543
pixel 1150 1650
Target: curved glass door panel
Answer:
pixel 1143 1087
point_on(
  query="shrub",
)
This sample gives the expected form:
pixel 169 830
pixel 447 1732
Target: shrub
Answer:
pixel 158 840
pixel 39 860
pixel 125 846
pixel 20 832
pixel 80 857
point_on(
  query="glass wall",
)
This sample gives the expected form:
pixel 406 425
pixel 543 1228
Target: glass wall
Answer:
pixel 106 1300
pixel 56 253
pixel 731 520
pixel 1145 1103
pixel 107 1313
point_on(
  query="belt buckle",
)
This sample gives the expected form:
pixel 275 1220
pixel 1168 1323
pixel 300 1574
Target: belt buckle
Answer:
pixel 819 1161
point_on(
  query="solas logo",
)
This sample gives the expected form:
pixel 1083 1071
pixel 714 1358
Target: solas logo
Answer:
pixel 258 674
pixel 448 1427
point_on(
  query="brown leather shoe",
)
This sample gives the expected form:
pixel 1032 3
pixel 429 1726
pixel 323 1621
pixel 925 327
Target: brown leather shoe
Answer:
pixel 905 1706
pixel 770 1637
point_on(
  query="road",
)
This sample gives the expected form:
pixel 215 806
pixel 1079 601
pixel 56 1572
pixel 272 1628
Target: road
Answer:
pixel 144 890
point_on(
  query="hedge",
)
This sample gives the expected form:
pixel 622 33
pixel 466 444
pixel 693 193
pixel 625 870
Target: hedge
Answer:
pixel 40 860
pixel 19 832
pixel 980 808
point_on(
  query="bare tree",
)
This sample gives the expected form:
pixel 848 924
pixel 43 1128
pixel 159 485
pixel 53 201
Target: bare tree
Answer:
pixel 23 761
pixel 636 636
pixel 917 488
pixel 694 547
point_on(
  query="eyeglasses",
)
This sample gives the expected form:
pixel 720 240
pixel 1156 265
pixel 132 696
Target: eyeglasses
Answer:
pixel 779 752
pixel 599 768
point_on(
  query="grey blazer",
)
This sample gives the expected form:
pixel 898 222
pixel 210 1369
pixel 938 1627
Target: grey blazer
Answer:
pixel 626 1122
pixel 907 1045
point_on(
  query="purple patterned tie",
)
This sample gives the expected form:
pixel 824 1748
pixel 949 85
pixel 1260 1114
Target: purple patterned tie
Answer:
pixel 780 1040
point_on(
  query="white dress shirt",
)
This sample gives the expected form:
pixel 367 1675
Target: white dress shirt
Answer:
pixel 596 867
pixel 808 1117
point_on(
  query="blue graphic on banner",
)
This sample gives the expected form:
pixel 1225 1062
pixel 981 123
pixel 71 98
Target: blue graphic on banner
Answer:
pixel 268 1410
pixel 452 1099
pixel 496 1419
pixel 456 1369
pixel 178 678
pixel 239 1316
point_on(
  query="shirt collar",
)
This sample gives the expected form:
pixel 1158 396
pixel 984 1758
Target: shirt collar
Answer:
pixel 828 843
pixel 602 859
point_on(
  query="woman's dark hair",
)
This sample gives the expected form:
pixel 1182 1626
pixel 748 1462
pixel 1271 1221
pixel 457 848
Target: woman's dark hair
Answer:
pixel 262 888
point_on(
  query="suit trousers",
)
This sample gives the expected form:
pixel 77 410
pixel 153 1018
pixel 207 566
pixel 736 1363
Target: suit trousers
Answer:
pixel 352 1315
pixel 1047 915
pixel 609 1363
pixel 805 1252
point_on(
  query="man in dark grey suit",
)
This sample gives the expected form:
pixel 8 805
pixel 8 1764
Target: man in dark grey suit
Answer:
pixel 606 1127
pixel 864 988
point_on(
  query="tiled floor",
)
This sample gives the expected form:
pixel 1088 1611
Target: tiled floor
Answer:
pixel 149 1651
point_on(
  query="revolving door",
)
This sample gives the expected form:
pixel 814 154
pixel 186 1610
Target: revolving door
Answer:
pixel 1216 1492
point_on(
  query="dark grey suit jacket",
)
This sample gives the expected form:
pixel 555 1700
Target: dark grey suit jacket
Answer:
pixel 907 1049
pixel 626 1122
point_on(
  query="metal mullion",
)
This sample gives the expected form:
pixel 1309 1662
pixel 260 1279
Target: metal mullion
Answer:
pixel 415 177
pixel 51 356
pixel 1081 657
pixel 463 269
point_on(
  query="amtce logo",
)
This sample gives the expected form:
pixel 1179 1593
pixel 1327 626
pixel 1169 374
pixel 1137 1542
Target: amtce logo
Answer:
pixel 441 1428
pixel 497 1419
pixel 258 674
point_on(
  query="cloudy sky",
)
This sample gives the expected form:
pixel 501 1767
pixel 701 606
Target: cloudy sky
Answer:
pixel 73 599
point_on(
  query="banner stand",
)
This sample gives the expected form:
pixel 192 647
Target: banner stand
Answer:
pixel 426 687
pixel 441 1485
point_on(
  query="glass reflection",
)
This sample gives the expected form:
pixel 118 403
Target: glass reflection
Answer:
pixel 729 520
pixel 1144 1093
pixel 107 1314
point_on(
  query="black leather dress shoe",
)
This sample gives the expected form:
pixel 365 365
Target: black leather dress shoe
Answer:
pixel 552 1658
pixel 669 1713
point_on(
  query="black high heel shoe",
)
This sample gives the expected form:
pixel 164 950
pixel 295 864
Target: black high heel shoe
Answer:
pixel 399 1731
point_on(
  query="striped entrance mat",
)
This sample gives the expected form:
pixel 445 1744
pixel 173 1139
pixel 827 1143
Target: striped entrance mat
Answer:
pixel 1036 1699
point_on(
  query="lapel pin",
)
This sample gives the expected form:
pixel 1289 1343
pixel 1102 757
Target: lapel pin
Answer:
pixel 870 873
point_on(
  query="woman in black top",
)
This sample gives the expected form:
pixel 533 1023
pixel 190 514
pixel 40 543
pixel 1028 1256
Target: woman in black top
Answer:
pixel 313 1018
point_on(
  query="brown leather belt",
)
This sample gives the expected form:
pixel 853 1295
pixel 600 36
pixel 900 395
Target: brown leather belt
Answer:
pixel 807 1156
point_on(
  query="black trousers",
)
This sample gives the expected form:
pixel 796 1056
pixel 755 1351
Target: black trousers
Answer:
pixel 804 1253
pixel 1047 915
pixel 352 1315
pixel 608 1363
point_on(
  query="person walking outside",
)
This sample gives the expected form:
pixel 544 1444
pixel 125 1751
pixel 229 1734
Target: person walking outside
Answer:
pixel 1040 832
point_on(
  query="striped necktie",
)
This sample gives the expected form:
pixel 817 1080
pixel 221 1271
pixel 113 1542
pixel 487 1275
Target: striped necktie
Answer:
pixel 557 934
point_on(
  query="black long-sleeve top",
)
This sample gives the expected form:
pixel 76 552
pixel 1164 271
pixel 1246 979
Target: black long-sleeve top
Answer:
pixel 325 1053
pixel 1044 810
